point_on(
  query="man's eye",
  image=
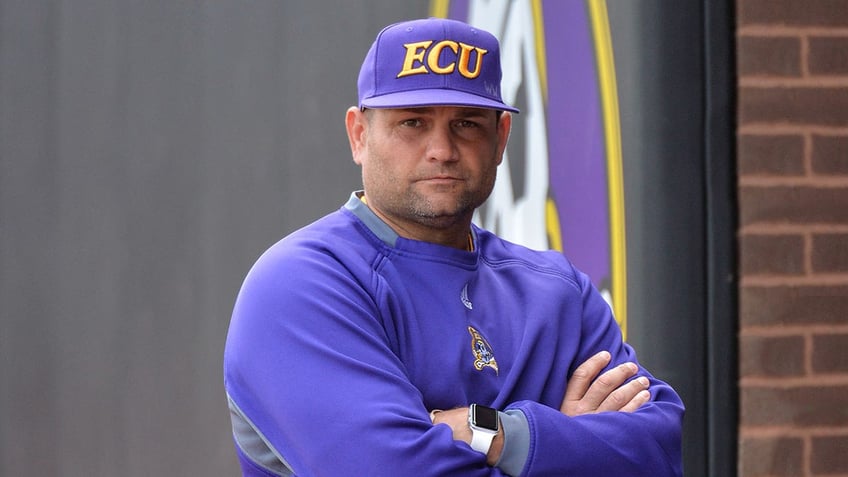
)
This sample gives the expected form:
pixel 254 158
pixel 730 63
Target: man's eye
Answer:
pixel 412 123
pixel 466 124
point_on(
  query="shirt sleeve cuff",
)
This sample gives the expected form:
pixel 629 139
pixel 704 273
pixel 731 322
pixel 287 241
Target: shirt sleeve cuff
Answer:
pixel 516 445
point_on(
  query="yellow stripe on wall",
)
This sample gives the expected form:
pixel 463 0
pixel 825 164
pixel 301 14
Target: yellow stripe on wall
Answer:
pixel 541 53
pixel 615 176
pixel 439 8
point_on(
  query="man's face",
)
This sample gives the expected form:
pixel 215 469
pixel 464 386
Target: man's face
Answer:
pixel 427 168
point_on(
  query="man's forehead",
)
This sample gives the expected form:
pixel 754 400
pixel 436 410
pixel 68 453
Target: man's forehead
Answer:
pixel 458 111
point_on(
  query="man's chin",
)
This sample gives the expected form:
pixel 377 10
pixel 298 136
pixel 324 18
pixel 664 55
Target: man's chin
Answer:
pixel 447 209
pixel 444 217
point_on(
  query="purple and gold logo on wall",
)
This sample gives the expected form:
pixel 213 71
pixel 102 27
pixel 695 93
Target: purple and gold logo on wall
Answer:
pixel 560 185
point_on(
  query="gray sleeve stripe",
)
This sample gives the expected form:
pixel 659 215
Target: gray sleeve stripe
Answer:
pixel 516 442
pixel 254 445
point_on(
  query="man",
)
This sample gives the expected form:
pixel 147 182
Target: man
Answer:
pixel 395 338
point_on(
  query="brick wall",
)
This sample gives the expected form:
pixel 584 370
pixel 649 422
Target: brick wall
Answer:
pixel 793 212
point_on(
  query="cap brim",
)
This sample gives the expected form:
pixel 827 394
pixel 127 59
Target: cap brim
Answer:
pixel 433 97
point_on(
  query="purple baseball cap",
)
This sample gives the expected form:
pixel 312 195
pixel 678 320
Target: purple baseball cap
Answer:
pixel 432 62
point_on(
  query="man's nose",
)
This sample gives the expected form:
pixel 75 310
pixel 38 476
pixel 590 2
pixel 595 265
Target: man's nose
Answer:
pixel 441 145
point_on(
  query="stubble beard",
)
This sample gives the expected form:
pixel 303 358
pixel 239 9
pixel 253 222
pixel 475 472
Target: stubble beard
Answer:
pixel 424 211
pixel 414 206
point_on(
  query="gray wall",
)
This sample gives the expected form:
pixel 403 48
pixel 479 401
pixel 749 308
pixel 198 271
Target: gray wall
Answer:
pixel 149 151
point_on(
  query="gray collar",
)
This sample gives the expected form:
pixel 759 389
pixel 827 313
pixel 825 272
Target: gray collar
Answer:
pixel 370 219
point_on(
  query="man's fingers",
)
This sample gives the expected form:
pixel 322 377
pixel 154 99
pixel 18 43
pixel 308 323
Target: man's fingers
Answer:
pixel 588 391
pixel 638 400
pixel 627 397
pixel 582 379
pixel 605 386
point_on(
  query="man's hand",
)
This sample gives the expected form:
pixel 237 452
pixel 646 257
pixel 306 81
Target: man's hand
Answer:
pixel 586 395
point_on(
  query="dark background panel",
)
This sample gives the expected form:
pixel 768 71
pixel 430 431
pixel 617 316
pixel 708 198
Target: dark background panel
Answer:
pixel 673 65
pixel 658 58
pixel 149 151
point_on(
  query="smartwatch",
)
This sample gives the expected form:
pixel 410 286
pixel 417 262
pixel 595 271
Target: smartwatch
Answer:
pixel 484 424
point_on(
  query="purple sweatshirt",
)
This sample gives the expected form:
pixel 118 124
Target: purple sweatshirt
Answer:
pixel 344 336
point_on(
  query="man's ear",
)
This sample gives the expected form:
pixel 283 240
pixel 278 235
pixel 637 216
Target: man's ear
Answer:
pixel 504 127
pixel 357 126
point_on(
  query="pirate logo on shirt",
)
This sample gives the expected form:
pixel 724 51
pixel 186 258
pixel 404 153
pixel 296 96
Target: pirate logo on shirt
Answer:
pixel 483 355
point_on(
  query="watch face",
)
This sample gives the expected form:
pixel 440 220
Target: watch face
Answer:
pixel 485 417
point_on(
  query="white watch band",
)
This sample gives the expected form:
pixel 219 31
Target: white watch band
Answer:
pixel 483 432
pixel 481 441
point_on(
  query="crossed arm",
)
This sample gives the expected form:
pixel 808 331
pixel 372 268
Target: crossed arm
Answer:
pixel 584 394
pixel 349 394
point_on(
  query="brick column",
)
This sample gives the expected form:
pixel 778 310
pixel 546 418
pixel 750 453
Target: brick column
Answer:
pixel 793 218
